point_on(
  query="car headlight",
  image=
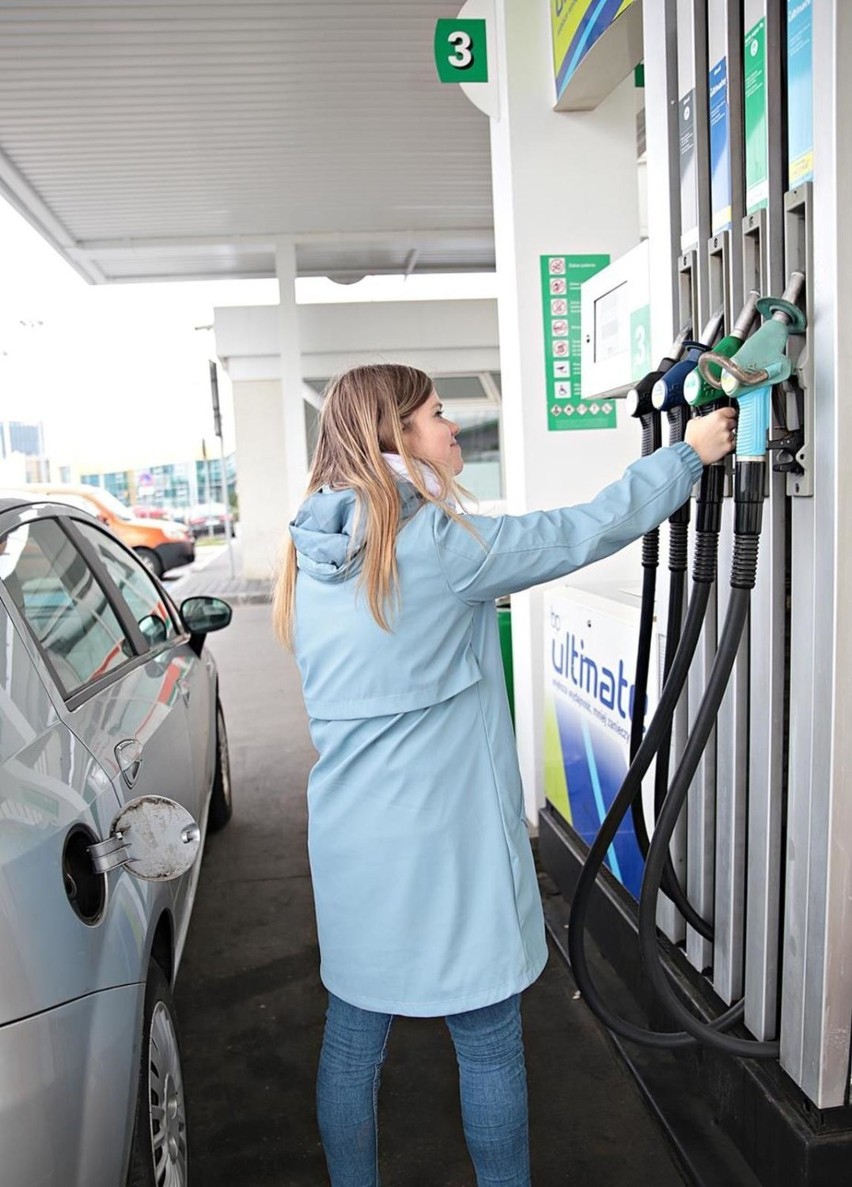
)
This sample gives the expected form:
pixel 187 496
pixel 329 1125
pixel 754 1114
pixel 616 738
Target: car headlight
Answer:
pixel 175 533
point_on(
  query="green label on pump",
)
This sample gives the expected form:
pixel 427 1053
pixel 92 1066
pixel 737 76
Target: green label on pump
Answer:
pixel 757 163
pixel 460 50
pixel 561 277
pixel 640 341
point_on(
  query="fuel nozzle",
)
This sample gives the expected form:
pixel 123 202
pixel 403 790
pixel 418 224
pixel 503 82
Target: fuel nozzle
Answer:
pixel 638 399
pixel 762 359
pixel 768 361
pixel 751 379
pixel 667 392
pixel 698 390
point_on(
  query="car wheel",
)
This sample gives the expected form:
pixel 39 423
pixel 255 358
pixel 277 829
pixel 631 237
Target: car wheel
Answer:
pixel 221 804
pixel 159 1155
pixel 150 560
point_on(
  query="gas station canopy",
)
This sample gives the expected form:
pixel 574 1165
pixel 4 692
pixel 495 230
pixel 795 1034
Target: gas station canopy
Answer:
pixel 166 141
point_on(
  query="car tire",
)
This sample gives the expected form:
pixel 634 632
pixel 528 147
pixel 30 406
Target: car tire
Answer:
pixel 150 560
pixel 221 803
pixel 159 1155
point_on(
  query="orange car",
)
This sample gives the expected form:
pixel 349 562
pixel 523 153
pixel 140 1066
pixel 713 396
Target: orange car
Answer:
pixel 160 544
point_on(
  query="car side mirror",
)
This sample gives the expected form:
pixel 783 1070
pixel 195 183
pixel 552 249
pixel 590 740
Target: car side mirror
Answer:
pixel 154 629
pixel 153 837
pixel 205 614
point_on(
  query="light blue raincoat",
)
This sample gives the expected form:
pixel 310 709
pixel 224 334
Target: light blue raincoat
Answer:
pixel 425 890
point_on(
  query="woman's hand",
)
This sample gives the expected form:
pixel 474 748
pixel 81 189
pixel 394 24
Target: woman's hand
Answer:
pixel 714 435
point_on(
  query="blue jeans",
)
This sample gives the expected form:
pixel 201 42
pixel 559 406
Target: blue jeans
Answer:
pixel 492 1080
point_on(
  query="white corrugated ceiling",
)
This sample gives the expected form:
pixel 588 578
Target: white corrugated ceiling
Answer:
pixel 176 140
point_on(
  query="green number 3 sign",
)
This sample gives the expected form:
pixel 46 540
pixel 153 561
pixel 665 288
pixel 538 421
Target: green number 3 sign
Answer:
pixel 460 51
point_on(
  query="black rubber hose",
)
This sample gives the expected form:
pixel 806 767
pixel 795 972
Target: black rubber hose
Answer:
pixel 708 525
pixel 742 581
pixel 677 566
pixel 705 574
pixel 640 685
pixel 674 621
pixel 670 881
pixel 651 441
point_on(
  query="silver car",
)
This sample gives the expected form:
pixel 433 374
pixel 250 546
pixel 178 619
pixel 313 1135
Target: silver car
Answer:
pixel 113 761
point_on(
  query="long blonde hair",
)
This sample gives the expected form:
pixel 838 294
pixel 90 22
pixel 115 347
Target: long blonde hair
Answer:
pixel 366 412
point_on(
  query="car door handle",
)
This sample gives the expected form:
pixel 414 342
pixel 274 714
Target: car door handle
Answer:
pixel 129 757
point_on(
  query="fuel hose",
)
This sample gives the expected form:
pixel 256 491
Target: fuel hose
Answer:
pixel 704 575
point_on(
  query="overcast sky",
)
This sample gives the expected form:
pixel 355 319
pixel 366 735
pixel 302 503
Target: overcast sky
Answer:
pixel 118 374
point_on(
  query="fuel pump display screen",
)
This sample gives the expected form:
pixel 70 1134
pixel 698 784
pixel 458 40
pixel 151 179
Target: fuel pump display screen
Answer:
pixel 612 325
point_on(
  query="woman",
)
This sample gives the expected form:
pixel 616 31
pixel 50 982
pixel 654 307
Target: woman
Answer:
pixel 426 896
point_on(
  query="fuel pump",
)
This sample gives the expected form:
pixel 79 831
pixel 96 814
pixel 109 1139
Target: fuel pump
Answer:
pixel 750 379
pixel 754 396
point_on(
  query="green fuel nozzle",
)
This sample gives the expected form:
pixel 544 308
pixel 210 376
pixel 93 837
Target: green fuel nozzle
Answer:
pixel 762 358
pixel 699 391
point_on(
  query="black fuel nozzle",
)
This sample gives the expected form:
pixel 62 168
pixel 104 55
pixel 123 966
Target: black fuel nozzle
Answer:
pixel 638 400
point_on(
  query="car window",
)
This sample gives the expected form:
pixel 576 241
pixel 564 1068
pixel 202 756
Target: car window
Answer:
pixel 138 588
pixel 25 713
pixel 64 605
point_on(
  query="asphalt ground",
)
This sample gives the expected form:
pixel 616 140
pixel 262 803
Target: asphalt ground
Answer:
pixel 251 1006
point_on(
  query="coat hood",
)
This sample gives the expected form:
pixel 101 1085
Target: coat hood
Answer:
pixel 328 531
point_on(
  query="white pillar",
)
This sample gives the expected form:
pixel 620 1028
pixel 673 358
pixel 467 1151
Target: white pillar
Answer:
pixel 296 449
pixel 564 183
pixel 269 423
pixel 264 498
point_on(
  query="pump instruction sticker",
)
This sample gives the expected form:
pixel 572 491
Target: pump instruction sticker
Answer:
pixel 756 148
pixel 688 170
pixel 561 277
pixel 720 148
pixel 800 91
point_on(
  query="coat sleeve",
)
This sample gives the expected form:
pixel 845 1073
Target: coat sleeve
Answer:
pixel 514 552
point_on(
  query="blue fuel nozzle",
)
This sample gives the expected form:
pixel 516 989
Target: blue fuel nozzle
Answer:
pixel 667 392
pixel 638 398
